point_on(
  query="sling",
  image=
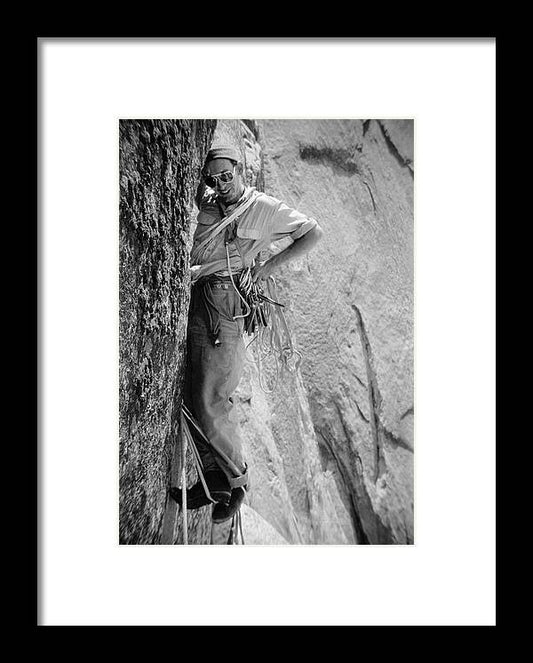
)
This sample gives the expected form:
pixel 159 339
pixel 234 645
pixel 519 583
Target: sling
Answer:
pixel 223 224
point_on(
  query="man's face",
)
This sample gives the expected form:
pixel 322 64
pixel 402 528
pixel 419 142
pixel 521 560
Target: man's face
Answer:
pixel 228 192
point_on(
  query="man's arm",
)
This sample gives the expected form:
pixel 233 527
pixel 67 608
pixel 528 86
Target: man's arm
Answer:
pixel 297 249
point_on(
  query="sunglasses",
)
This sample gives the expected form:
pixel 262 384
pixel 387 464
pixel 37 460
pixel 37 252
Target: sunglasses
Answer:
pixel 225 177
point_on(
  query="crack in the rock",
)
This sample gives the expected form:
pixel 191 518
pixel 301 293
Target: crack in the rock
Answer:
pixel 360 412
pixel 410 410
pixel 368 525
pixel 371 196
pixel 253 127
pixel 347 435
pixel 347 480
pixel 394 440
pixel 394 150
pixel 359 380
pixel 374 396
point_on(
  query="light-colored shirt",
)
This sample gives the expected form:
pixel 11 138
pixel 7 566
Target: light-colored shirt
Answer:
pixel 266 221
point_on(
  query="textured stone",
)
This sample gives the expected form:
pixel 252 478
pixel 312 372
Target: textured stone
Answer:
pixel 350 304
pixel 159 166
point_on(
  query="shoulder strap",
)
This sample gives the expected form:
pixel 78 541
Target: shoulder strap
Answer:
pixel 226 221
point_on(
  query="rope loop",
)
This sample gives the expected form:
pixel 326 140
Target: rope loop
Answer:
pixel 264 320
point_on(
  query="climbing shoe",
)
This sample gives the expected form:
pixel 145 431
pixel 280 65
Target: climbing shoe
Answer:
pixel 226 511
pixel 219 489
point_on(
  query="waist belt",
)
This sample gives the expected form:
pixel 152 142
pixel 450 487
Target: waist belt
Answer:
pixel 217 278
pixel 217 281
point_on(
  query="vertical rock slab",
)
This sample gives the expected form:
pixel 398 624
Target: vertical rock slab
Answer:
pixel 350 304
pixel 289 488
pixel 160 162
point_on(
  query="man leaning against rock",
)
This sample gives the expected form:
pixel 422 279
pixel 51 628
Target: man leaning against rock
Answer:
pixel 235 223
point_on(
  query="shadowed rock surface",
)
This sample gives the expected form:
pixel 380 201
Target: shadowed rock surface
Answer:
pixel 160 163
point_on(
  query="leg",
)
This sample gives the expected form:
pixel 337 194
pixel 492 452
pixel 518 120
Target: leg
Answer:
pixel 215 372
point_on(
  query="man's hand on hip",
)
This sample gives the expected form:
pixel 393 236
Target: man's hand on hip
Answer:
pixel 261 271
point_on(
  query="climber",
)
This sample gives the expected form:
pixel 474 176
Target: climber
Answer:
pixel 235 224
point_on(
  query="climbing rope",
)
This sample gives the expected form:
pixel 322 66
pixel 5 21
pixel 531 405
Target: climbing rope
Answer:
pixel 196 426
pixel 240 526
pixel 187 442
pixel 248 310
pixel 186 416
pixel 235 530
pixel 264 319
pixel 184 487
pixel 272 339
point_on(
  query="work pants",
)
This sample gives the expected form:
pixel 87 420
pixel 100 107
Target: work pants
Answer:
pixel 214 371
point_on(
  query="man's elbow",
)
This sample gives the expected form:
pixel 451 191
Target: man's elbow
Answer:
pixel 315 235
pixel 310 239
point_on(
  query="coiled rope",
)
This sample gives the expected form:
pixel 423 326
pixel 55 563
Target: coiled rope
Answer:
pixel 273 342
pixel 271 335
pixel 264 319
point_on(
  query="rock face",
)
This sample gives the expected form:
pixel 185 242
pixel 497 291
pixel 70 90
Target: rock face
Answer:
pixel 330 449
pixel 160 163
pixel 350 306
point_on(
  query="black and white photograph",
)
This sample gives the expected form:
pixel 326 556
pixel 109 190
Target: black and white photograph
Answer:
pixel 266 311
pixel 266 331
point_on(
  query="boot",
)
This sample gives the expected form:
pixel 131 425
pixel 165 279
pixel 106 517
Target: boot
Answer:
pixel 226 511
pixel 217 484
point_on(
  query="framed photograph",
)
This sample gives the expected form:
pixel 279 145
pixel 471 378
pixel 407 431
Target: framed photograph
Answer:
pixel 268 330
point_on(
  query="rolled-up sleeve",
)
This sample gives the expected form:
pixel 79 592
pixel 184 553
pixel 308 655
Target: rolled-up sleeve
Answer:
pixel 290 222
